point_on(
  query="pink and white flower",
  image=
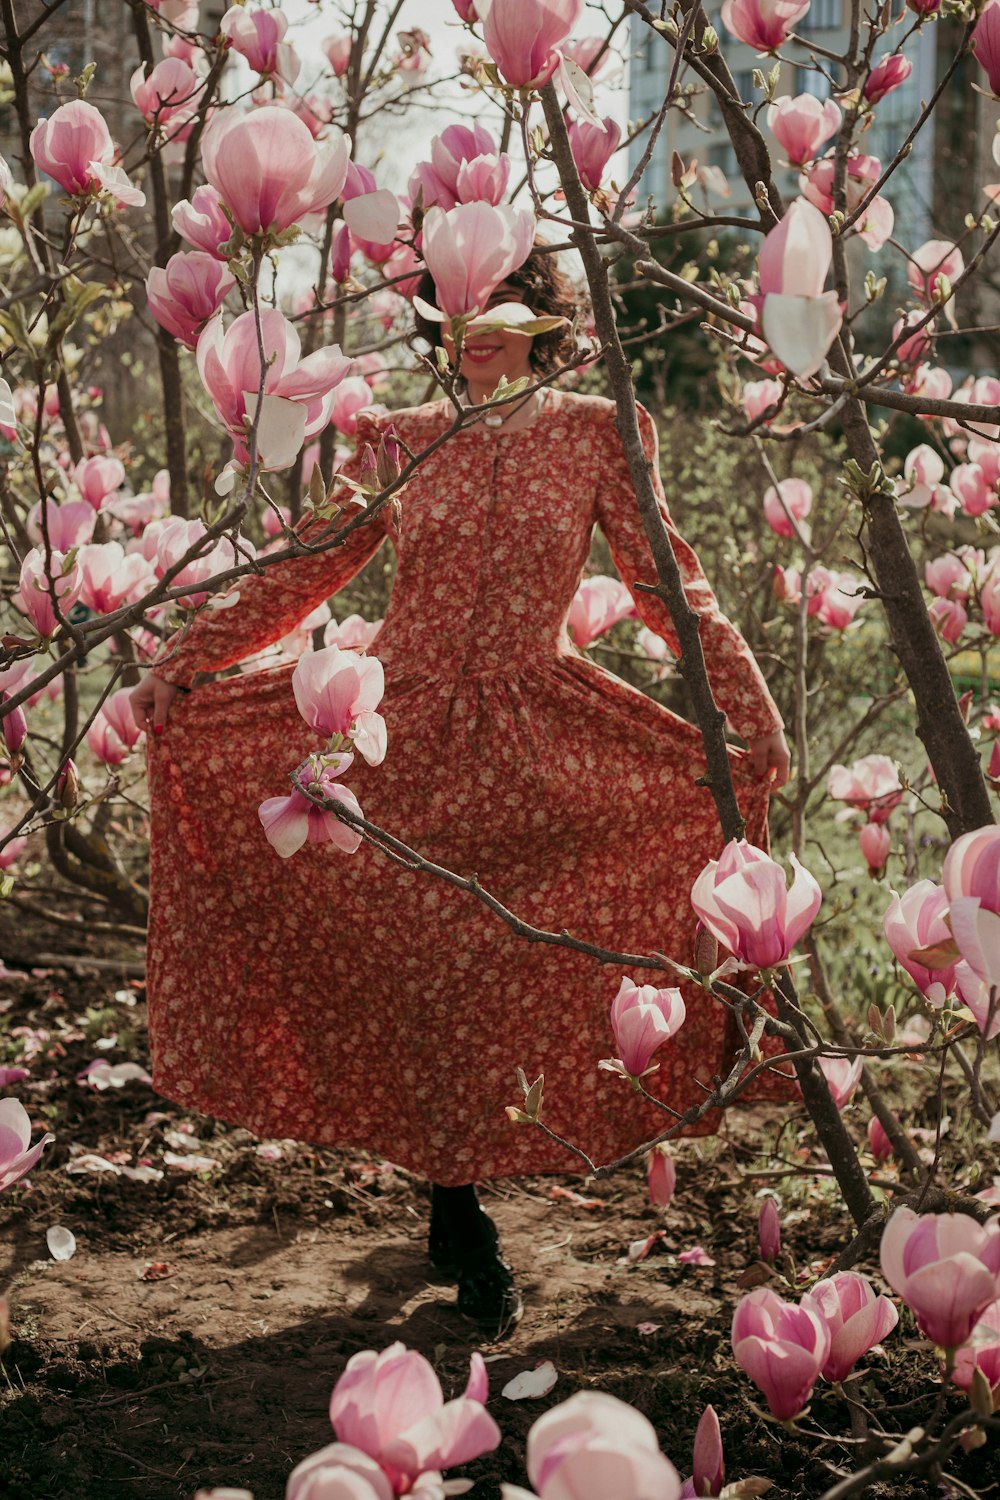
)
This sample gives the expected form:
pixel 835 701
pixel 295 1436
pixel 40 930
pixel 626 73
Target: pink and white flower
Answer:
pixel 289 822
pixel 744 901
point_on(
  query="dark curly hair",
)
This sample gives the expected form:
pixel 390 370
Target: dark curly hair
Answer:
pixel 545 289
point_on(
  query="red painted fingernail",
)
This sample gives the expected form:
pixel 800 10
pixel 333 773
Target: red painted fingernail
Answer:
pixel 158 728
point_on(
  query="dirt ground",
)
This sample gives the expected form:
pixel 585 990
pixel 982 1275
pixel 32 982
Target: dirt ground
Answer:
pixel 193 1338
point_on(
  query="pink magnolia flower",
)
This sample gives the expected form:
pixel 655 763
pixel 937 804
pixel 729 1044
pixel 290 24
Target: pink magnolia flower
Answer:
pixel 594 56
pixel 465 167
pixel 110 577
pixel 354 633
pixel 968 484
pixel 876 845
pixel 762 24
pixel 598 603
pixel 842 1076
pixel 837 599
pixel 989 601
pixel 337 692
pixel 949 618
pixel 185 293
pixel 136 511
pixel 13 727
pixel 914 921
pixel 923 470
pixel 593 146
pixel 857 1319
pixel 259 36
pixel 17 1155
pixel 870 784
pixel 863 172
pixel 10 853
pixel 781 1347
pixel 229 365
pixel 470 250
pixel 201 221
pixel 982 1352
pixel 887 74
pixel 661 1176
pixel 786 503
pixel 523 36
pixel 337 50
pixel 918 345
pixel 971 878
pixel 927 265
pixel 68 525
pixel 758 395
pixel 98 477
pixel 74 147
pixel 744 901
pixel 769 1230
pixel 33 597
pixel 336 1472
pixel 289 822
pixel 164 543
pixel 879 1143
pixel 171 89
pixel 642 1019
pixel 802 125
pixel 592 1447
pixel 946 1268
pixel 351 396
pixel 118 732
pixel 798 319
pixel 268 170
pixel 975 994
pixel 986 45
pixel 391 1406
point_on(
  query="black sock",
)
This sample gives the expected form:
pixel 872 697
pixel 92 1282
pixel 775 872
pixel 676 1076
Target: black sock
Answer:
pixel 456 1214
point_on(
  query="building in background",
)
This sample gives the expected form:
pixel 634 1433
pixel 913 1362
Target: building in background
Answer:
pixel 931 191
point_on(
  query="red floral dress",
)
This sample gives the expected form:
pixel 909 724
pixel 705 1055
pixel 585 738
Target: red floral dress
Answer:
pixel 346 1001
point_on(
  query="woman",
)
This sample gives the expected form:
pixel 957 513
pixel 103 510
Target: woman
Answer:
pixel 344 1000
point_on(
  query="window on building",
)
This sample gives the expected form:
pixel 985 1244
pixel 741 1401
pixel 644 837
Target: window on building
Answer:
pixel 649 53
pixel 822 15
pixel 744 84
pixel 808 81
pixel 723 156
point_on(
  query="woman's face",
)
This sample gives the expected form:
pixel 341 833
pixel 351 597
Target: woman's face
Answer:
pixel 487 356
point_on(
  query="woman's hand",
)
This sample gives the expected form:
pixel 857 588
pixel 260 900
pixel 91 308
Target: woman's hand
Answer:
pixel 151 702
pixel 772 758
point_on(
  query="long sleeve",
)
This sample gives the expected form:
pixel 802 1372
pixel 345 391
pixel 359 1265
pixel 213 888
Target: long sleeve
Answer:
pixel 737 683
pixel 273 602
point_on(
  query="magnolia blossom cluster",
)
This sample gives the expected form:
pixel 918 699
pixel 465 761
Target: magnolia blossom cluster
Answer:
pixel 947 937
pixel 833 598
pixel 337 692
pixel 786 1347
pixel 871 789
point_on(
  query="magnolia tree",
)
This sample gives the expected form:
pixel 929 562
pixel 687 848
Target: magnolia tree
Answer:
pixel 226 221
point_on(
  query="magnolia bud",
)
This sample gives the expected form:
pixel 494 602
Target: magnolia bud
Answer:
pixel 68 786
pixel 368 472
pixel 769 1231
pixel 661 1176
pixel 389 463
pixel 15 727
pixel 340 253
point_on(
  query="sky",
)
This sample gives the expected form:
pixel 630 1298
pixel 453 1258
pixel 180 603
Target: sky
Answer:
pixel 406 144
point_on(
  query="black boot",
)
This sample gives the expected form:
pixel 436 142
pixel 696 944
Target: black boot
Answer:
pixel 464 1241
